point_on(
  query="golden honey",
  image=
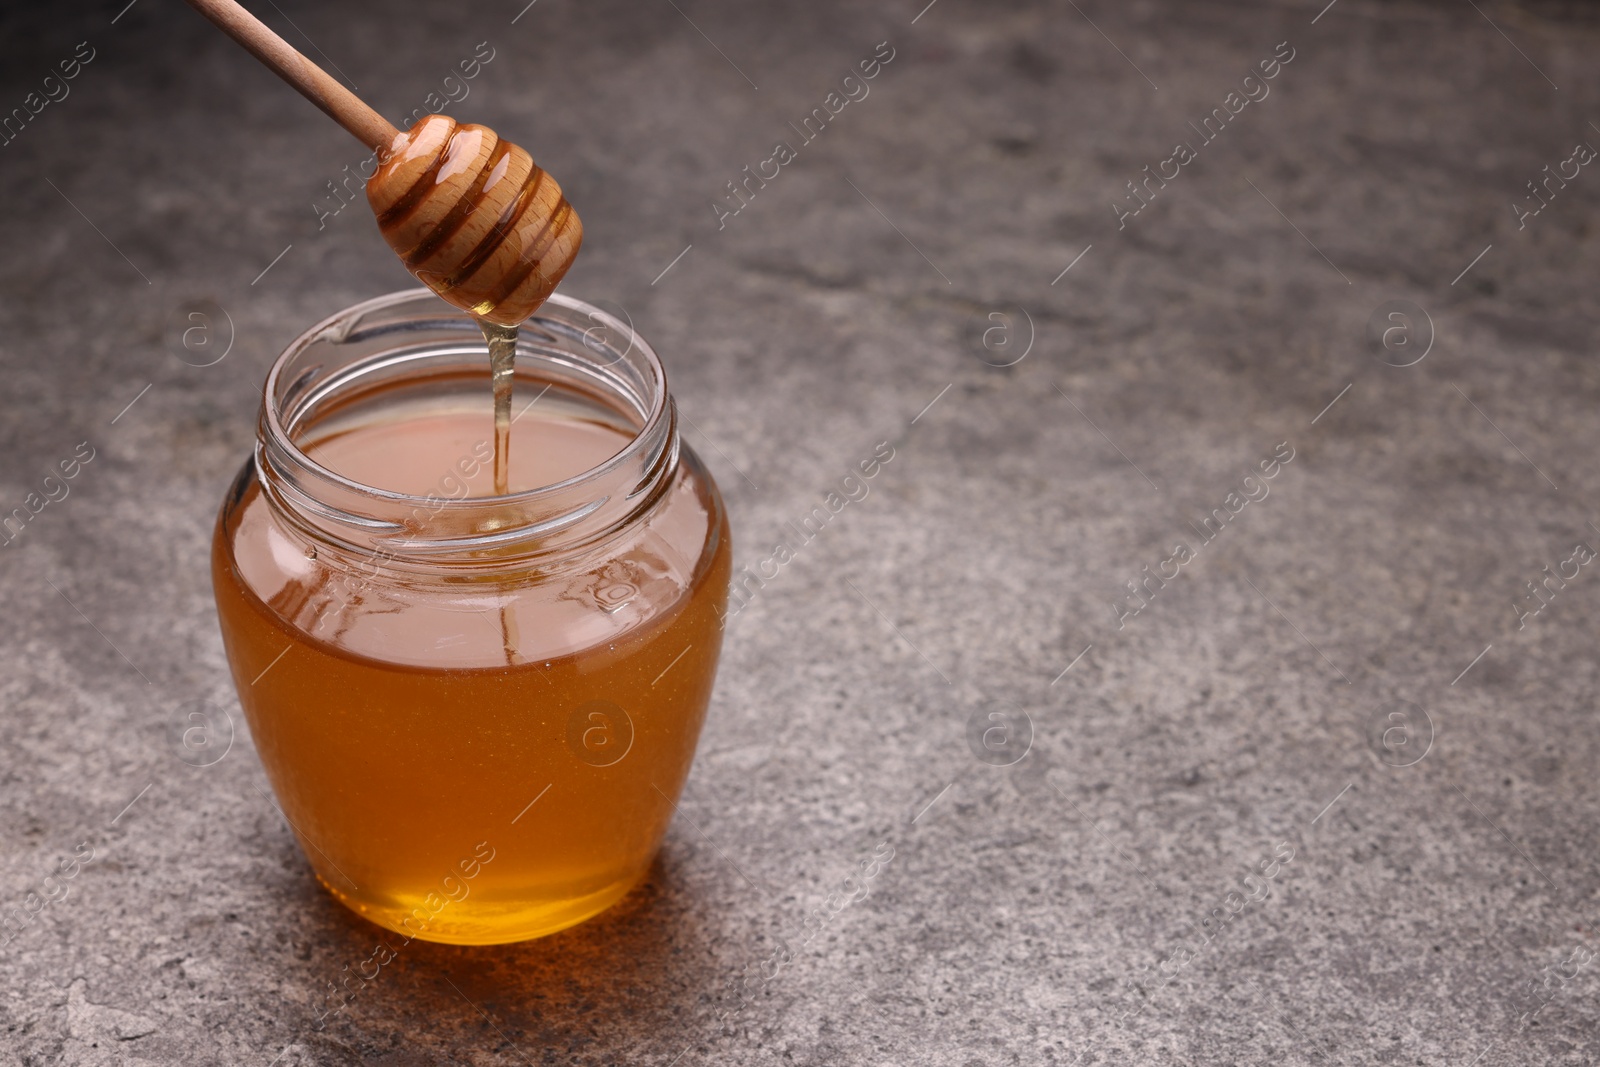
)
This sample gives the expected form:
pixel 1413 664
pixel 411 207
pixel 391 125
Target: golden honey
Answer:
pixel 476 710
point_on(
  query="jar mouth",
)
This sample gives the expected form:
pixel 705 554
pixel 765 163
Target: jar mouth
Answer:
pixel 407 339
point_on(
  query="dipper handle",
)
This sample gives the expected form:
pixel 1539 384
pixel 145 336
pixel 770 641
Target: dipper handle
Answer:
pixel 337 102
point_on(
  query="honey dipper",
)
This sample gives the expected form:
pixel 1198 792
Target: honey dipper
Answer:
pixel 471 215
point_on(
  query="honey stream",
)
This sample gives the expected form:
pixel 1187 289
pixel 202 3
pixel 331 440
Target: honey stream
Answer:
pixel 502 342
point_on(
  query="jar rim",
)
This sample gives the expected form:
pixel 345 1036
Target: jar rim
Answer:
pixel 347 319
pixel 381 341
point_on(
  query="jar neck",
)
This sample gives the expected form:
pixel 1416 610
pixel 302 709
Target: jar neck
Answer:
pixel 355 364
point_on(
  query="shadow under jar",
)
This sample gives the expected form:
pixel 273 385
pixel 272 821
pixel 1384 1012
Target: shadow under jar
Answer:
pixel 477 711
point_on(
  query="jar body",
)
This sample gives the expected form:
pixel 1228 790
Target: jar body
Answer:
pixel 487 752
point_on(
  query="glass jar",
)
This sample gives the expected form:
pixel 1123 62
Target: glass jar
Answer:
pixel 477 711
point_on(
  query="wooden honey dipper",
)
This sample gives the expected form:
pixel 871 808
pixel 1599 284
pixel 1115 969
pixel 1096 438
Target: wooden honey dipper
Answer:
pixel 471 215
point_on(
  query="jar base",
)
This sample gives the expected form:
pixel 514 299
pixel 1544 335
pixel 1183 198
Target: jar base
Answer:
pixel 488 924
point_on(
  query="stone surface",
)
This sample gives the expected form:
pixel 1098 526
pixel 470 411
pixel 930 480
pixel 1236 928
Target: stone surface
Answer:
pixel 1060 910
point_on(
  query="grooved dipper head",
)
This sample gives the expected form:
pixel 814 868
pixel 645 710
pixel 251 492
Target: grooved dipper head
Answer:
pixel 474 218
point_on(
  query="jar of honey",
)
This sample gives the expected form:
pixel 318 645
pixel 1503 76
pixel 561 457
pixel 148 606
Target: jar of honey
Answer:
pixel 477 711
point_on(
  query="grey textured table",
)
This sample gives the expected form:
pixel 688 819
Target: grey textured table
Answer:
pixel 1325 796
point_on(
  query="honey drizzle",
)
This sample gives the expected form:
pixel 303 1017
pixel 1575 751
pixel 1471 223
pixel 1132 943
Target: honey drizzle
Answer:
pixel 502 341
